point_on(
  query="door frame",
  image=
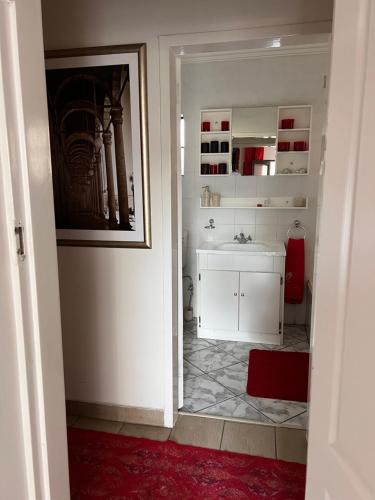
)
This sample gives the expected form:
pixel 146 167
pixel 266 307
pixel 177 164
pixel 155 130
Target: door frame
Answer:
pixel 33 280
pixel 172 50
pixel 341 443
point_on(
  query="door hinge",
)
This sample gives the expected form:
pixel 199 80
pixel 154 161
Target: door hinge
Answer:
pixel 199 276
pixel 281 280
pixel 279 327
pixel 18 229
pixel 199 321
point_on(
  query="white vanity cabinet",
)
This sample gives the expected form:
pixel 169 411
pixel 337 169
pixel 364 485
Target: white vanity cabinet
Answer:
pixel 259 303
pixel 240 295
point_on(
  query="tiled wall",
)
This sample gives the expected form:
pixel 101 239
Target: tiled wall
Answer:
pixel 203 86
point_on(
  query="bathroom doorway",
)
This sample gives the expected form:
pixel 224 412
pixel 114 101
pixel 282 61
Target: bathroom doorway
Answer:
pixel 252 206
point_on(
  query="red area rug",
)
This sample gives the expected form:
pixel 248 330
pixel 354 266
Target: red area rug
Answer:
pixel 109 466
pixel 278 375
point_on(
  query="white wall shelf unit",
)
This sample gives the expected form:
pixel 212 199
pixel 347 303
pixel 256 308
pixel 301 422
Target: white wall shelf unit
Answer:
pixel 301 132
pixel 275 203
pixel 215 117
pixel 285 160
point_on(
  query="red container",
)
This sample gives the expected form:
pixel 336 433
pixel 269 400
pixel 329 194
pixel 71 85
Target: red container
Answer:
pixel 287 123
pixel 214 169
pixel 225 126
pixel 300 146
pixel 206 126
pixel 283 146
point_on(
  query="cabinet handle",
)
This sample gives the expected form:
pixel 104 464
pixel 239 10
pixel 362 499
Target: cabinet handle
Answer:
pixel 242 295
pixel 235 294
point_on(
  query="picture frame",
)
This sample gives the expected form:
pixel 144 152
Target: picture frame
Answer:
pixel 97 105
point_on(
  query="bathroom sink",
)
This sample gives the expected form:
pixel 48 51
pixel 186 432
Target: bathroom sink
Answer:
pixel 245 247
pixel 270 248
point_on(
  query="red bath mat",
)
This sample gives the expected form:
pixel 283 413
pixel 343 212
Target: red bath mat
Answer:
pixel 278 375
pixel 104 466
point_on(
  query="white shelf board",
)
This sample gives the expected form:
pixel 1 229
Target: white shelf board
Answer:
pixel 293 129
pixel 287 175
pixel 217 132
pixel 292 152
pixel 260 208
pixel 276 203
pixel 295 106
pixel 215 154
pixel 263 176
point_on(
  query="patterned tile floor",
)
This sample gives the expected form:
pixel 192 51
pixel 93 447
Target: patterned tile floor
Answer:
pixel 215 377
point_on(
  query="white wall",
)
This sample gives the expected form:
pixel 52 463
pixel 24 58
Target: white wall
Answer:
pixel 254 82
pixel 112 298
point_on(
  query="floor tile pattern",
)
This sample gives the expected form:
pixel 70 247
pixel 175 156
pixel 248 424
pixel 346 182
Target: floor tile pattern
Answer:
pixel 215 377
pixel 217 433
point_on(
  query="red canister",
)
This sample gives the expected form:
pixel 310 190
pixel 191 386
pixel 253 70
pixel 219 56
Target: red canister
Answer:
pixel 214 169
pixel 287 123
pixel 300 146
pixel 206 126
pixel 283 146
pixel 225 125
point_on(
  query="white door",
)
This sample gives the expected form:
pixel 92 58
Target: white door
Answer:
pixel 259 302
pixel 341 454
pixel 34 461
pixel 219 300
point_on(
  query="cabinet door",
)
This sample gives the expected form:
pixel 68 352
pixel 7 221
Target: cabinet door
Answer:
pixel 219 300
pixel 259 302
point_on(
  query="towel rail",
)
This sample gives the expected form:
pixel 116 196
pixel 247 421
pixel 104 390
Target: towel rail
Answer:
pixel 297 225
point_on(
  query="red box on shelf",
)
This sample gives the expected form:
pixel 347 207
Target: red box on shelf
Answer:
pixel 225 126
pixel 287 123
pixel 206 126
pixel 300 146
pixel 283 146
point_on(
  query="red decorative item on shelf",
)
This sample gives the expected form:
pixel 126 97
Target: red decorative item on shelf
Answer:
pixel 283 146
pixel 300 146
pixel 225 125
pixel 287 123
pixel 223 168
pixel 206 126
pixel 214 169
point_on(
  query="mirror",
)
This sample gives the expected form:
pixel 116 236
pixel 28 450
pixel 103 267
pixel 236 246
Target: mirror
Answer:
pixel 254 140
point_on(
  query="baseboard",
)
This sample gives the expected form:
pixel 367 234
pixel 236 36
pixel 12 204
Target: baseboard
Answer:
pixel 129 414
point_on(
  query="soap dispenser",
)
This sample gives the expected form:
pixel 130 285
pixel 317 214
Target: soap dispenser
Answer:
pixel 205 198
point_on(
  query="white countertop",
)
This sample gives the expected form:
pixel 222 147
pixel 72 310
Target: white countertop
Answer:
pixel 267 248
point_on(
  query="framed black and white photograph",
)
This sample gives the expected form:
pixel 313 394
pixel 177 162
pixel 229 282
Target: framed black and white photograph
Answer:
pixel 97 105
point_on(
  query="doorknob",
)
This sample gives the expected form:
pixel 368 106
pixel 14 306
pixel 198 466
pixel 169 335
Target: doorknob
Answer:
pixel 235 294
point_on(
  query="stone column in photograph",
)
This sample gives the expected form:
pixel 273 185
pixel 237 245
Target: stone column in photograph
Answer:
pixel 107 141
pixel 117 120
pixel 99 177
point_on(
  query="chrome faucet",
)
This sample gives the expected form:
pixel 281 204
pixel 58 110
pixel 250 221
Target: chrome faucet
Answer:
pixel 241 238
pixel 211 224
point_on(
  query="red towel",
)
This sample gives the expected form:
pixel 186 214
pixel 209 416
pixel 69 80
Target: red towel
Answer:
pixel 295 271
pixel 247 168
pixel 249 154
